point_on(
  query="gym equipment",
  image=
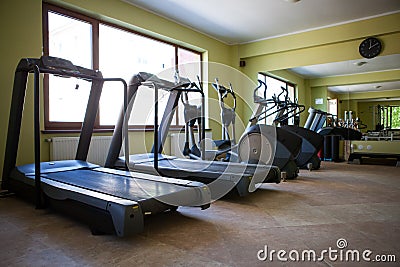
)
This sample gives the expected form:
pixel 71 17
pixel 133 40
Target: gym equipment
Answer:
pixel 310 146
pixel 331 148
pixel 193 115
pixel 311 141
pixel 110 201
pixel 375 152
pixel 344 133
pixel 221 177
pixel 288 144
pixel 381 146
pixel 228 116
pixel 317 118
pixel 335 130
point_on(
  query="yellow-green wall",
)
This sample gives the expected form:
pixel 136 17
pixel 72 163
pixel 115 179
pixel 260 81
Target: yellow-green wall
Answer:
pixel 21 37
pixel 319 93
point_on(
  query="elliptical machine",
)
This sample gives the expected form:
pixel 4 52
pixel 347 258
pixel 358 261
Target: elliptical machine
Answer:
pixel 254 147
pixel 312 142
pixel 228 117
pixel 288 144
pixel 259 144
pixel 192 115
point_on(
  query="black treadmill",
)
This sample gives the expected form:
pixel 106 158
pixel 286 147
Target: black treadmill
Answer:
pixel 110 201
pixel 221 177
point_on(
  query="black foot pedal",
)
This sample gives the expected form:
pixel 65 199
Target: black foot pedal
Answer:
pixel 6 193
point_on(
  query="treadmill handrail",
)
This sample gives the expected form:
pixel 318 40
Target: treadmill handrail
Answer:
pixel 45 65
pixel 186 86
pixel 136 81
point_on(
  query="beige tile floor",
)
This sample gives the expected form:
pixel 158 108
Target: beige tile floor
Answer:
pixel 360 203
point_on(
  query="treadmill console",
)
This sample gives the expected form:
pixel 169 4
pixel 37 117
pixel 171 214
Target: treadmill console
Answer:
pixel 60 64
pixel 64 68
pixel 153 80
pixel 145 75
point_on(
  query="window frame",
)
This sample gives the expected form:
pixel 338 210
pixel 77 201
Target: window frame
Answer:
pixel 53 126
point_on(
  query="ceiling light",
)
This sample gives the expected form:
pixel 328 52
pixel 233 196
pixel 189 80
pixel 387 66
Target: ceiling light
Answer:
pixel 360 63
pixel 292 1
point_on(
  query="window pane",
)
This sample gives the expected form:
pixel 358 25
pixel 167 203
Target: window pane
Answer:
pixel 67 99
pixel 70 39
pixel 268 93
pixel 123 54
pixel 274 88
pixel 189 64
pixel 143 108
pixel 189 67
pixel 292 94
pixel 396 117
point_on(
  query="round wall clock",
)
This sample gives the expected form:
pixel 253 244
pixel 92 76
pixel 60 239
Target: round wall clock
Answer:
pixel 370 47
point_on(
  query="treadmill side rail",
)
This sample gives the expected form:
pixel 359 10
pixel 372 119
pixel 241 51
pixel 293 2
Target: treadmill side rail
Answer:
pixel 126 214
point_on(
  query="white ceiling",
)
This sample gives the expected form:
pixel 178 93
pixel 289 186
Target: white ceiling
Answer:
pixel 380 63
pixel 239 21
pixel 235 21
pixel 370 87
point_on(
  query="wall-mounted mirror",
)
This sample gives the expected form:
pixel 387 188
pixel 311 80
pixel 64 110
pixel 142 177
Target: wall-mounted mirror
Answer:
pixel 360 86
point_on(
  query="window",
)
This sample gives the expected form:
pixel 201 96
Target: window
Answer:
pixel 274 87
pixel 333 106
pixel 117 52
pixel 389 116
pixel 131 53
pixel 189 66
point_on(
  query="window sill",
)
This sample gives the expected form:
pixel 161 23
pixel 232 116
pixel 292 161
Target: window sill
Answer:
pixel 69 131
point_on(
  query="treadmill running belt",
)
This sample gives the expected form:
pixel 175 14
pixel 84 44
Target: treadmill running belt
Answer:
pixel 116 185
pixel 210 169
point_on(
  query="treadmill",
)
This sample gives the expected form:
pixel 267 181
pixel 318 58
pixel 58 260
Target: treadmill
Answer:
pixel 108 200
pixel 221 177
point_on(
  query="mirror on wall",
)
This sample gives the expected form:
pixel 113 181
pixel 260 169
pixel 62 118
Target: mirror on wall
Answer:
pixel 357 86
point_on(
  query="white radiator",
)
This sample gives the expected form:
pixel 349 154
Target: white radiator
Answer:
pixel 63 148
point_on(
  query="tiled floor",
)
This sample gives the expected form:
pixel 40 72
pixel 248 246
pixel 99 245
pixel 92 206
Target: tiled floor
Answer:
pixel 360 203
